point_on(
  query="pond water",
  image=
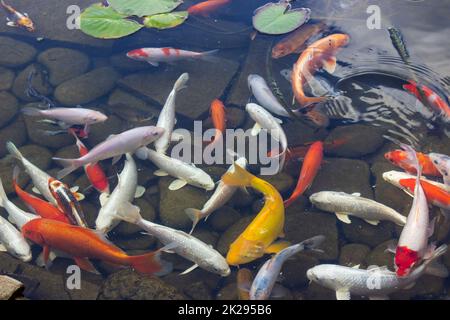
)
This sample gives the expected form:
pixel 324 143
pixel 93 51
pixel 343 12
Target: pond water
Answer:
pixel 367 111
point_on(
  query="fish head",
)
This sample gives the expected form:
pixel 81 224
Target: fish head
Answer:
pixel 441 162
pixel 395 157
pixel 323 274
pixel 21 250
pixel 26 23
pixel 340 40
pixel 205 181
pixel 138 54
pixel 218 266
pixel 253 79
pixel 280 50
pixel 394 177
pixel 405 260
pixel 151 134
pixel 95 117
pixel 32 231
pixel 320 197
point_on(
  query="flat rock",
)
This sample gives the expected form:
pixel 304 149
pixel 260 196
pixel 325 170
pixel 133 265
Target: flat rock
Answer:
pixel 231 234
pixel 223 218
pixel 87 87
pixel 123 104
pixel 14 53
pixel 64 64
pixel 362 232
pixel 194 101
pixel 6 78
pixel 14 132
pixel 39 82
pixel 353 254
pixel 8 107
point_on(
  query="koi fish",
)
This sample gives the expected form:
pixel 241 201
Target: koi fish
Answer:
pixel 401 159
pixel 68 202
pixel 67 117
pixel 113 147
pixel 40 207
pixel 94 172
pixel 345 205
pixel 166 118
pixel 260 235
pixel 299 152
pixel 244 280
pixel 205 8
pixel 433 99
pixel 83 244
pixel 220 197
pixel 347 281
pixel 295 42
pixel 219 118
pixel 268 274
pixel 321 54
pixel 310 167
pixel 413 243
pixel 154 56
pixel 442 163
pixel 12 241
pixel 17 19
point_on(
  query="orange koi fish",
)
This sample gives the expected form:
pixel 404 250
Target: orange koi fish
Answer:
pixel 83 244
pixel 16 18
pixel 205 8
pixel 401 159
pixel 321 54
pixel 310 167
pixel 218 116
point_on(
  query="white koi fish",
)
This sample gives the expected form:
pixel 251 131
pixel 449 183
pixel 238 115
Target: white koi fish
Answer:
pixel 156 55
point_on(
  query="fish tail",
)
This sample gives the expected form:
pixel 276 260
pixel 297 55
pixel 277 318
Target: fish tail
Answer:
pixel 69 165
pixel 195 215
pixel 314 242
pixel 209 55
pixel 3 197
pixel 30 111
pixel 150 264
pixel 180 84
pixel 12 149
pixel 239 177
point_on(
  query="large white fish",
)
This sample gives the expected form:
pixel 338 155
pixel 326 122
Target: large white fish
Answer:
pixel 375 282
pixel 393 177
pixel 261 91
pixel 265 120
pixel 268 274
pixel 184 172
pixel 442 163
pixel 40 178
pixel 12 241
pixel 156 55
pixel 185 245
pixel 125 192
pixel 113 147
pixel 345 205
pixel 166 118
pixel 220 197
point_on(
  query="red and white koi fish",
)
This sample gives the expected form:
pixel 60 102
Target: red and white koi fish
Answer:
pixel 16 18
pixel 433 99
pixel 94 172
pixel 156 55
pixel 413 243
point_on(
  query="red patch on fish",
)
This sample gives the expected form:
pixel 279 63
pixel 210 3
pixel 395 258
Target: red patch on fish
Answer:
pixel 138 53
pixel 405 259
pixel 166 51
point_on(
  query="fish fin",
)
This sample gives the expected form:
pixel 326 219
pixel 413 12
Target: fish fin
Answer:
pixel 30 111
pixel 356 266
pixel 129 213
pixel 150 263
pixel 140 190
pixel 239 177
pixel 343 295
pixel 51 257
pixel 3 248
pixel 256 129
pixel 177 185
pixel 391 248
pixel 12 149
pixel 104 197
pixel 74 189
pixel 46 254
pixel 436 269
pixel 160 173
pixel 342 216
pixel 155 64
pixel 35 190
pixel 79 196
pixel 195 215
pixel 356 194
pixel 116 159
pixel 209 55
pixel 278 120
pixel 11 24
pixel 278 291
pixel 329 65
pixel 69 165
pixel 85 265
pixel 195 266
pixel 277 246
pixel 378 298
pixel 176 137
pixel 372 222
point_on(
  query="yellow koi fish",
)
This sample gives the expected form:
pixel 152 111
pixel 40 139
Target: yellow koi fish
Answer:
pixel 258 238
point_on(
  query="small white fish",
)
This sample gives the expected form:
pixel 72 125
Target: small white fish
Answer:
pixel 184 172
pixel 265 120
pixel 345 205
pixel 12 241
pixel 156 55
pixel 166 118
pixel 125 192
pixel 113 147
pixel 375 282
pixel 442 163
pixel 185 245
pixel 268 274
pixel 220 197
pixel 40 178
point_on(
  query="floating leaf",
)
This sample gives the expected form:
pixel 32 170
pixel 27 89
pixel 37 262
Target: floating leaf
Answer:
pixel 277 18
pixel 105 23
pixel 143 8
pixel 166 20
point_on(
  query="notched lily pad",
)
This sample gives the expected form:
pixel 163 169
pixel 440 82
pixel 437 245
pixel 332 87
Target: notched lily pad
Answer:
pixel 278 18
pixel 166 20
pixel 143 8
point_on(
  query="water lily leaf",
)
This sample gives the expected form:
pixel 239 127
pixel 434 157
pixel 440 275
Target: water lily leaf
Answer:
pixel 277 18
pixel 143 8
pixel 166 20
pixel 105 23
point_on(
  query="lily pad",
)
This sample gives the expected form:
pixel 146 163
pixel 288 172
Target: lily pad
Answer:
pixel 105 23
pixel 143 8
pixel 278 18
pixel 166 20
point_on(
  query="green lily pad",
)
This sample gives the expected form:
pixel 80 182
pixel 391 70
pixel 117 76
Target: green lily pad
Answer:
pixel 143 8
pixel 105 23
pixel 277 18
pixel 166 20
